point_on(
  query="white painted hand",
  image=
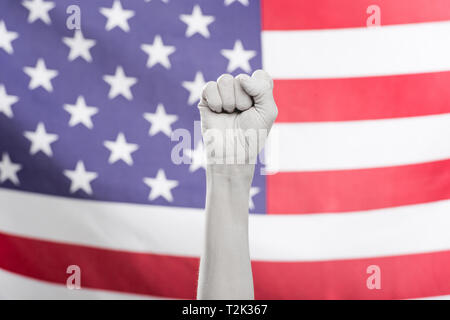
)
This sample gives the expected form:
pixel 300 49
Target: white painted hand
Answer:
pixel 236 116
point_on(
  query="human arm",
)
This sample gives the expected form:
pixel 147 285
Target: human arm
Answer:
pixel 239 104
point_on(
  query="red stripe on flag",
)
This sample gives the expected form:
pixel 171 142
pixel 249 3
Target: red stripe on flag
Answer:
pixel 357 190
pixel 402 277
pixel 362 98
pixel 330 14
pixel 406 276
pixel 152 274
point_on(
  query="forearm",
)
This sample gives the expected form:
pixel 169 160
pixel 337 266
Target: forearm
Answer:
pixel 225 268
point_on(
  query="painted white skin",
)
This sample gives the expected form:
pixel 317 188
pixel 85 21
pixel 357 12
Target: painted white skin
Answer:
pixel 231 103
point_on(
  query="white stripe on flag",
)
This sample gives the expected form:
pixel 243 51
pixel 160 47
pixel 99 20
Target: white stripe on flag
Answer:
pixel 357 52
pixel 179 231
pixel 358 144
pixel 17 287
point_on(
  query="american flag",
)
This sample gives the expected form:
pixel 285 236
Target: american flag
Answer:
pixel 361 182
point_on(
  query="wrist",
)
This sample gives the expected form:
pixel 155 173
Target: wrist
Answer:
pixel 228 190
pixel 244 171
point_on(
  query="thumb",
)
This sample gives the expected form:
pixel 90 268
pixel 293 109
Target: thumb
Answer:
pixel 259 86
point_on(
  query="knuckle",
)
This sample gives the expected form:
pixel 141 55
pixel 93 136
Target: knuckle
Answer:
pixel 225 83
pixel 242 76
pixel 207 87
pixel 225 78
pixel 211 95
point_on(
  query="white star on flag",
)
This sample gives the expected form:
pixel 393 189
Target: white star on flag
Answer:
pixel 253 191
pixel 198 157
pixel 80 178
pixel 6 37
pixel 40 76
pixel 238 57
pixel 38 9
pixel 41 140
pixel 158 52
pixel 160 186
pixel 120 84
pixel 81 113
pixel 79 46
pixel 9 169
pixel 6 101
pixel 243 2
pixel 121 149
pixel 197 22
pixel 195 87
pixel 160 121
pixel 117 16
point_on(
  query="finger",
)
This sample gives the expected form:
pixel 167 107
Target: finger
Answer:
pixel 243 100
pixel 225 84
pixel 212 96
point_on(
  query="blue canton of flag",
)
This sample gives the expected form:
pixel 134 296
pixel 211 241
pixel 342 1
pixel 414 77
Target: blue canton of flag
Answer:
pixel 89 112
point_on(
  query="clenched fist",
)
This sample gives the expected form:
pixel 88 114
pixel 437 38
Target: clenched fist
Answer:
pixel 236 116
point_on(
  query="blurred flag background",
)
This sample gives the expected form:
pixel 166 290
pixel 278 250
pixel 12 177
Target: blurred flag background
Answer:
pixel 358 203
